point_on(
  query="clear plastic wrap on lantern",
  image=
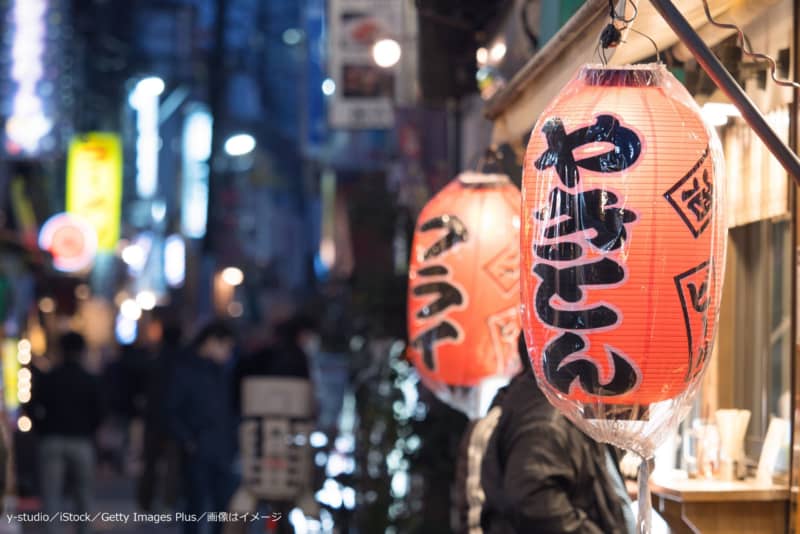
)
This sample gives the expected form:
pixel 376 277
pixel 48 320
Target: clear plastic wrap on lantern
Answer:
pixel 623 246
pixel 463 291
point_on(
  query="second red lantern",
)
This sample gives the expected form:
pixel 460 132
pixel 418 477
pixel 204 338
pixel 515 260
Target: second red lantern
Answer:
pixel 463 295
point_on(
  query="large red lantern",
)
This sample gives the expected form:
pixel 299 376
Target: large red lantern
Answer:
pixel 463 288
pixel 622 251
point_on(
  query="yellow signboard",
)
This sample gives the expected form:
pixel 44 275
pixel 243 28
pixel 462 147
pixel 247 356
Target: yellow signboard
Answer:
pixel 10 366
pixel 94 184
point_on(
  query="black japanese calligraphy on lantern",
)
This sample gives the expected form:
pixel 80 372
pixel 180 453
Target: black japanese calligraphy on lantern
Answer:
pixel 595 209
pixel 698 197
pixel 694 293
pixel 606 129
pixel 624 376
pixel 456 233
pixel 433 281
pixel 446 295
pixel 576 223
pixel 427 341
pixel 693 196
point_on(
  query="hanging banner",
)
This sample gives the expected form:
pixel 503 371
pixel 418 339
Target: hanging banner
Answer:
pixel 363 92
pixel 94 184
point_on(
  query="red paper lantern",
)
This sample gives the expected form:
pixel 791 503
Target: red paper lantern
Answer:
pixel 463 283
pixel 623 240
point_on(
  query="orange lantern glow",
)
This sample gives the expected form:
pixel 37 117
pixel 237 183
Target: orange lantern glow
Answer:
pixel 622 244
pixel 463 294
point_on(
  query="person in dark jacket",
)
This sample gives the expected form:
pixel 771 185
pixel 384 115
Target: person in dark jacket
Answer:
pixel 287 357
pixel 202 418
pixel 541 474
pixel 158 445
pixel 67 408
pixel 469 493
pixel 284 357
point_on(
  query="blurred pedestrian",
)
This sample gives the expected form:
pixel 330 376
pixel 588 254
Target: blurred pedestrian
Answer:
pixel 287 355
pixel 161 458
pixel 541 474
pixel 67 407
pixel 202 418
pixel 124 380
pixel 281 368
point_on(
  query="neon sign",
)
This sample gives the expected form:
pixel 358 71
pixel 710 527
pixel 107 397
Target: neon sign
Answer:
pixel 144 99
pixel 28 122
pixel 196 151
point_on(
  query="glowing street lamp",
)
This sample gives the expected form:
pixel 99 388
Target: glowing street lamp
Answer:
pixel 151 86
pixel 233 276
pixel 146 300
pixel 386 53
pixel 130 310
pixel 328 87
pixel 240 144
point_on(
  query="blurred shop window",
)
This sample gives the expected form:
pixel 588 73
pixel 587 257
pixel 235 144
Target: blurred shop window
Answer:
pixel 754 345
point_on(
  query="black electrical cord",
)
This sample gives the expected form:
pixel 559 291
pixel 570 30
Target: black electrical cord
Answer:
pixel 611 36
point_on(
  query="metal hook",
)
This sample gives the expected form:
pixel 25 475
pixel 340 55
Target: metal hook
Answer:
pixel 615 16
pixel 655 45
pixel 744 44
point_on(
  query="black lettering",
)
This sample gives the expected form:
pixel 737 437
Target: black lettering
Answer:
pixel 427 341
pixel 606 129
pixel 433 270
pixel 595 210
pixel 695 300
pixel 624 377
pixel 699 198
pixel 564 251
pixel 566 283
pixel 449 295
pixel 456 233
pixel 697 296
pixel 588 210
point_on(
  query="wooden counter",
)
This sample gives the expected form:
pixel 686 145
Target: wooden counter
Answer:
pixel 711 506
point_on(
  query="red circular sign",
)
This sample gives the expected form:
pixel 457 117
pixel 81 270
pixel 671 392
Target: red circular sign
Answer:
pixel 70 240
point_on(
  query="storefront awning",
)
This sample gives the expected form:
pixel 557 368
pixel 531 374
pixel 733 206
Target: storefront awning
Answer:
pixel 515 108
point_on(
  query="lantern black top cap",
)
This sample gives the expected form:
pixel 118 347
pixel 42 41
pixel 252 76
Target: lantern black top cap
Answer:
pixel 646 75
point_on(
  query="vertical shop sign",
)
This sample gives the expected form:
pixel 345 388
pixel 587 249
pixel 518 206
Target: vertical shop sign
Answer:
pixel 94 184
pixel 10 367
pixel 363 92
pixel 29 120
pixel 197 130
